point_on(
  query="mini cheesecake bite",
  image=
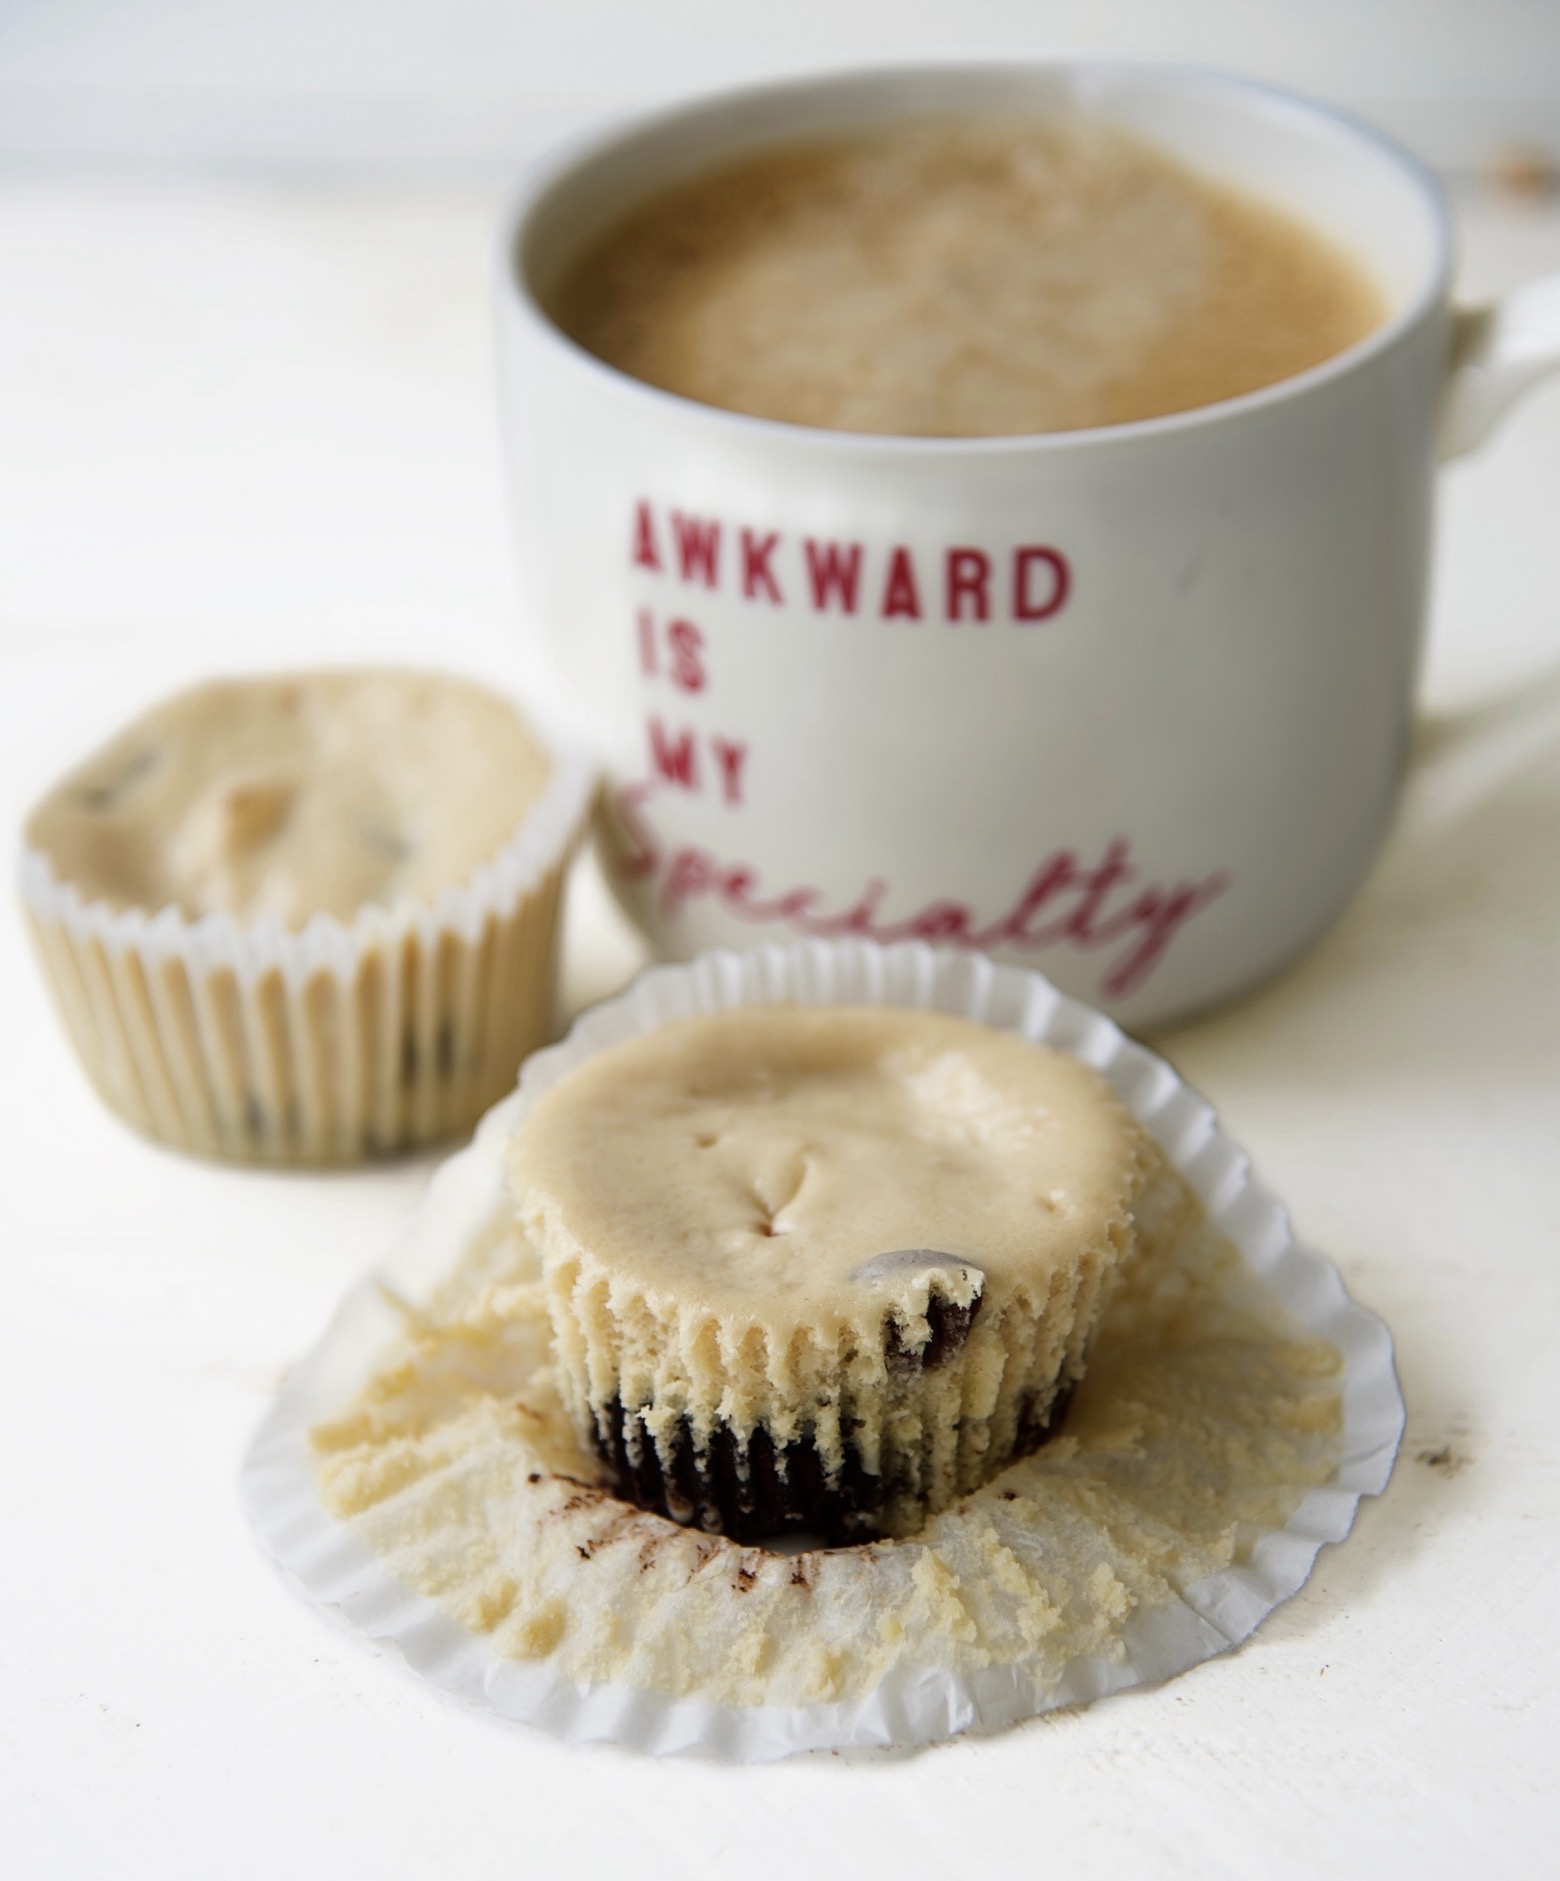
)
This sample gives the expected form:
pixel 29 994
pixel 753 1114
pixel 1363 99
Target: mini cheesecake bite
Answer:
pixel 307 917
pixel 294 796
pixel 822 1268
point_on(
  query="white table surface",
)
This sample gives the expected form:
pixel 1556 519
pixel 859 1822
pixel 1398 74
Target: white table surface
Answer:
pixel 250 422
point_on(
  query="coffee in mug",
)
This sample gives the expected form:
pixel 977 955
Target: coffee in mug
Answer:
pixel 964 277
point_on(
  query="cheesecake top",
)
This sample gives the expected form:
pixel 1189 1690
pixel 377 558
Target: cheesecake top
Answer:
pixel 787 1165
pixel 294 795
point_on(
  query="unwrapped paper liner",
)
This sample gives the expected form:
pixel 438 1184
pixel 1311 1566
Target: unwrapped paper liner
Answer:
pixel 909 1706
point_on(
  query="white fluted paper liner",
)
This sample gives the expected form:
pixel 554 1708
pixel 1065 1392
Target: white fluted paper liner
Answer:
pixel 913 1703
pixel 344 1039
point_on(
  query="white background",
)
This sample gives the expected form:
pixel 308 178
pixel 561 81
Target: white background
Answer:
pixel 246 417
pixel 442 83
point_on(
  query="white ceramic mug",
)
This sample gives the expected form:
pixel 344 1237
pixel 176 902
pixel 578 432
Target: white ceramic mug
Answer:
pixel 1130 704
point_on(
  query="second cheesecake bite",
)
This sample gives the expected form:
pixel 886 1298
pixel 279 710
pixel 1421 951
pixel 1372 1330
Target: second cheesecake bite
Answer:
pixel 296 795
pixel 307 917
pixel 828 1268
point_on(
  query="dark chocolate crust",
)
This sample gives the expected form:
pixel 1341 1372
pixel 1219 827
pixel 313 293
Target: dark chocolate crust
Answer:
pixel 759 1490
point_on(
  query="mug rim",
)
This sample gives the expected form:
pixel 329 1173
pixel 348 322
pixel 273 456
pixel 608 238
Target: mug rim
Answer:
pixel 554 168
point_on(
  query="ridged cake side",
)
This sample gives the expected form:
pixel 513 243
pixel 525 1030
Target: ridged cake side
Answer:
pixel 857 1424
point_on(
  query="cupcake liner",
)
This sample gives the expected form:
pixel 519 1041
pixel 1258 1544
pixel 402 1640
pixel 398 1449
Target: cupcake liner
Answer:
pixel 922 1696
pixel 341 1040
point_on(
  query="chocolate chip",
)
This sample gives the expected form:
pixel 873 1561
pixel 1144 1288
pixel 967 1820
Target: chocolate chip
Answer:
pixel 948 1322
pixel 948 1327
pixel 916 1260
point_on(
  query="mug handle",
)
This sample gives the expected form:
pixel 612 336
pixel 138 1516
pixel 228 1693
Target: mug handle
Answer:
pixel 1498 352
pixel 1460 758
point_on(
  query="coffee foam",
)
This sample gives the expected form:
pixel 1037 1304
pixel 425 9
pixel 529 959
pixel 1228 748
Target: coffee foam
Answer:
pixel 954 277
